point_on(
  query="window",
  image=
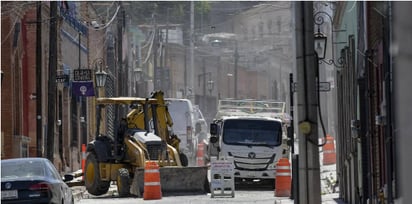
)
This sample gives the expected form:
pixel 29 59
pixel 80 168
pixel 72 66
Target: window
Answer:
pixel 21 143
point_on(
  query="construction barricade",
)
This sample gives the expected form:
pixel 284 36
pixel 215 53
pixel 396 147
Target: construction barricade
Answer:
pixel 283 181
pixel 222 181
pixel 329 154
pixel 152 187
pixel 200 154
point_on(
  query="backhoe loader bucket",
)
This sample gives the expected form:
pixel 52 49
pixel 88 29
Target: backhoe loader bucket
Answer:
pixel 175 180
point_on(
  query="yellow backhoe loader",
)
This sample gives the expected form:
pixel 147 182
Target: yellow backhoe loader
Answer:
pixel 143 135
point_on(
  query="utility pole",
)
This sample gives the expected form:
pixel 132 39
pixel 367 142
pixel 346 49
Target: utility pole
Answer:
pixel 154 51
pixel 204 76
pixel 307 104
pixel 52 80
pixel 39 131
pixel 120 71
pixel 167 38
pixel 236 67
pixel 192 60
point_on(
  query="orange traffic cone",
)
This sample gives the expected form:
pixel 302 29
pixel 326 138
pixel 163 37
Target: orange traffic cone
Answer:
pixel 199 156
pixel 83 159
pixel 329 154
pixel 283 181
pixel 152 188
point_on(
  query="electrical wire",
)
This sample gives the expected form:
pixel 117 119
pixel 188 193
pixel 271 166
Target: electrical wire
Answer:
pixel 149 40
pixel 109 23
pixel 149 51
pixel 15 7
pixel 11 30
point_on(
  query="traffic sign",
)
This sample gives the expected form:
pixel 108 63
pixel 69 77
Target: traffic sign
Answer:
pixel 323 86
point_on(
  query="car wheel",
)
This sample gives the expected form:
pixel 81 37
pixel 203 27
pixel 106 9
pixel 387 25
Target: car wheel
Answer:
pixel 123 184
pixel 92 181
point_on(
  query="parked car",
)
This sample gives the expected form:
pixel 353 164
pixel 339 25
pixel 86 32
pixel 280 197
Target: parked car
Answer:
pixel 33 180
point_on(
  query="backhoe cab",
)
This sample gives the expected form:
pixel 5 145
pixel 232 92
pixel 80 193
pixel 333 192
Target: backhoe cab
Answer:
pixel 141 136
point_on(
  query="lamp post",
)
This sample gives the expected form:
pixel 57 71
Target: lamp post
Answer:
pixel 321 40
pixel 223 40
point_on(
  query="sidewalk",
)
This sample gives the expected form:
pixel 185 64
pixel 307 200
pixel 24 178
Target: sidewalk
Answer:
pixel 326 199
pixel 78 192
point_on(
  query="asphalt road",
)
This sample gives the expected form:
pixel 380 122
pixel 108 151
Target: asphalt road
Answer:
pixel 243 194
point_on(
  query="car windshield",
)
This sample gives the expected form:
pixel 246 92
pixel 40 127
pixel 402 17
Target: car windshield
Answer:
pixel 252 132
pixel 22 168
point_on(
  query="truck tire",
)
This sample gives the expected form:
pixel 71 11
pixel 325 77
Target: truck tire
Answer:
pixel 123 184
pixel 92 181
pixel 183 159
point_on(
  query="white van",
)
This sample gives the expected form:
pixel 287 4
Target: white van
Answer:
pixel 184 121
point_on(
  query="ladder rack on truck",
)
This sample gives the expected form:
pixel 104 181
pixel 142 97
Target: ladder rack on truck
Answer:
pixel 232 107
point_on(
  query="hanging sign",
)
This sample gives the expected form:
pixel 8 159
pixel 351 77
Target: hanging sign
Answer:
pixel 84 88
pixel 82 75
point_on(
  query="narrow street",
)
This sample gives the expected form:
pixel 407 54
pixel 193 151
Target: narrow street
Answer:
pixel 246 193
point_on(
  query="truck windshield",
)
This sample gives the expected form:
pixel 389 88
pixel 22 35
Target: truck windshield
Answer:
pixel 252 132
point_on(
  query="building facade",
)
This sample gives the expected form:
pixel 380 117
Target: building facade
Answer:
pixel 25 93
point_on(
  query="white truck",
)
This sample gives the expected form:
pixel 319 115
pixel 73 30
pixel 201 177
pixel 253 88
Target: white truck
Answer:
pixel 253 134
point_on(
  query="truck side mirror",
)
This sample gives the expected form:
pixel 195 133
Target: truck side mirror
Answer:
pixel 213 129
pixel 290 132
pixel 213 139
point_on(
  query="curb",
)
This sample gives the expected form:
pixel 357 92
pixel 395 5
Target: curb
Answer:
pixel 78 192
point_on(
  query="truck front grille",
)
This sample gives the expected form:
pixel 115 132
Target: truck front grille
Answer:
pixel 154 151
pixel 256 164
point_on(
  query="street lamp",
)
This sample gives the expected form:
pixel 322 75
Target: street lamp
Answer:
pixel 320 44
pixel 100 74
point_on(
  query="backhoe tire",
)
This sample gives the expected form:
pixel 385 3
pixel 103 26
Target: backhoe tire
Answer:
pixel 123 182
pixel 206 186
pixel 183 159
pixel 94 185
